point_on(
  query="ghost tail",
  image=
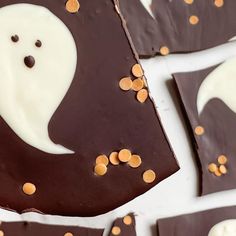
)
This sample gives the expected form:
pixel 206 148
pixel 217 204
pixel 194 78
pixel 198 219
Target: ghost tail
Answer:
pixel 35 136
pixel 204 96
pixel 220 84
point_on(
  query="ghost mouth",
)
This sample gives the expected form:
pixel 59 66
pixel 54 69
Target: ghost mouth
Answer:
pixel 29 61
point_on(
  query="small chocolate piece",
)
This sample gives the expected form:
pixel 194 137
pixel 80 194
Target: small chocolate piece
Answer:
pixel 124 226
pixel 207 97
pixel 29 61
pixel 200 223
pixel 179 25
pixel 35 229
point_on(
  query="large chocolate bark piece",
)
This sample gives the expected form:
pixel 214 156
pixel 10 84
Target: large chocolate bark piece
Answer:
pixel 96 117
pixel 124 226
pixel 179 25
pixel 207 223
pixel 208 98
pixel 35 229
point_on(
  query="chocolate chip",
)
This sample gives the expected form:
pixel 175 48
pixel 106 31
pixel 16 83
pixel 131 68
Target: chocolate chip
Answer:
pixel 15 38
pixel 38 44
pixel 29 61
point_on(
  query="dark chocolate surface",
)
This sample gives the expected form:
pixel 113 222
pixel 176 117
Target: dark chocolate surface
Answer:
pixel 35 229
pixel 197 224
pixel 94 118
pixel 171 26
pixel 126 230
pixel 219 124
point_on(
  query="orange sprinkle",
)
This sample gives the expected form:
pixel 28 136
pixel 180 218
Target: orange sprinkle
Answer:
pixel 219 3
pixel 149 176
pixel 100 169
pixel 189 1
pixel 164 50
pixel 126 83
pixel 199 130
pixel 116 230
pixel 114 158
pixel 124 155
pixel 135 161
pixel 137 70
pixel 68 234
pixel 212 167
pixel 138 84
pixel 29 188
pixel 223 169
pixel 72 6
pixel 222 159
pixel 127 220
pixel 102 159
pixel 217 173
pixel 142 95
pixel 193 20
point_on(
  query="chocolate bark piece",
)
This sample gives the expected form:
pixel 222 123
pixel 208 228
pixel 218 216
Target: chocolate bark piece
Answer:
pixel 95 117
pixel 195 224
pixel 171 25
pixel 124 226
pixel 212 125
pixel 36 229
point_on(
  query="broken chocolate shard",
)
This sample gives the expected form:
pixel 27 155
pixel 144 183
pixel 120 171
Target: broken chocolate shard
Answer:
pixel 95 117
pixel 208 99
pixel 199 223
pixel 36 229
pixel 125 226
pixel 178 25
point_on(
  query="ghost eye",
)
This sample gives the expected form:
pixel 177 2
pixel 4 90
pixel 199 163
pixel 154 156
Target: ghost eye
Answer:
pixel 38 44
pixel 15 38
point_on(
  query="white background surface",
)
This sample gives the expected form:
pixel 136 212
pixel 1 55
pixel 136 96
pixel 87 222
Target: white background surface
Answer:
pixel 177 194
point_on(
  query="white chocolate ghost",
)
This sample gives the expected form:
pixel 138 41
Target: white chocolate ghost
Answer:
pixel 34 79
pixel 224 228
pixel 221 84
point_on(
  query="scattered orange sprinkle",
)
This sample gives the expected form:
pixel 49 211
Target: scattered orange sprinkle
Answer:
pixel 222 159
pixel 102 159
pixel 114 158
pixel 72 6
pixel 199 130
pixel 193 20
pixel 116 230
pixel 100 169
pixel 126 83
pixel 223 169
pixel 142 95
pixel 29 188
pixel 68 234
pixel 137 70
pixel 138 84
pixel 212 167
pixel 135 161
pixel 164 50
pixel 149 176
pixel 189 1
pixel 127 220
pixel 124 155
pixel 219 3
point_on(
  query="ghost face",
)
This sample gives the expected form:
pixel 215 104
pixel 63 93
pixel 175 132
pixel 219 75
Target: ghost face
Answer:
pixel 37 64
pixel 224 228
pixel 221 84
